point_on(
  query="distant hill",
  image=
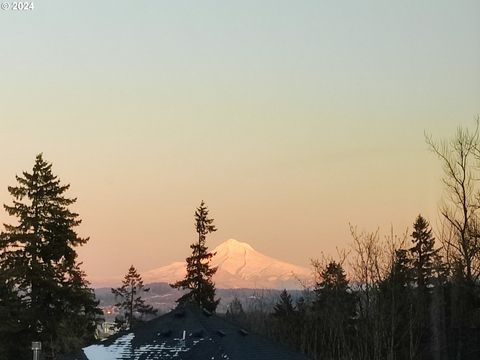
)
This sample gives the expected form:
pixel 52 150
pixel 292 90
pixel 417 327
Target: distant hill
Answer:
pixel 161 296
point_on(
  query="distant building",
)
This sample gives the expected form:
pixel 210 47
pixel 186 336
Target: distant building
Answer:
pixel 188 333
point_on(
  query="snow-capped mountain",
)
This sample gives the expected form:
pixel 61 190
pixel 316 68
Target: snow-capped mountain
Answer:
pixel 239 266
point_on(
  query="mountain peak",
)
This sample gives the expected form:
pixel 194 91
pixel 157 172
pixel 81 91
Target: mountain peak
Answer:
pixel 233 245
pixel 239 266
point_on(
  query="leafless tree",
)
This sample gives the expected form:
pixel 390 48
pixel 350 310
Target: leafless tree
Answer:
pixel 371 262
pixel 460 158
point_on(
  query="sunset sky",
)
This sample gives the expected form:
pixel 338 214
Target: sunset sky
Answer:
pixel 289 118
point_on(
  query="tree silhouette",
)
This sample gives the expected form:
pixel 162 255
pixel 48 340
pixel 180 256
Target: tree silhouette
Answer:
pixel 423 253
pixel 334 309
pixel 38 258
pixel 131 301
pixel 283 309
pixel 198 280
pixel 394 312
pixel 459 157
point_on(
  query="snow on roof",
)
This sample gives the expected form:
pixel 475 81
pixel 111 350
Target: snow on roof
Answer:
pixel 186 334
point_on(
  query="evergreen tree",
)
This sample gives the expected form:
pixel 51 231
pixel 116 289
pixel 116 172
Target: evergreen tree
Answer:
pixel 423 253
pixel 284 319
pixel 198 281
pixel 131 301
pixel 333 281
pixel 423 259
pixel 39 260
pixel 395 310
pixel 284 309
pixel 334 309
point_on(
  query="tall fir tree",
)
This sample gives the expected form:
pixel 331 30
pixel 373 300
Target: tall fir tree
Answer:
pixel 334 310
pixel 423 259
pixel 38 258
pixel 131 301
pixel 423 253
pixel 198 280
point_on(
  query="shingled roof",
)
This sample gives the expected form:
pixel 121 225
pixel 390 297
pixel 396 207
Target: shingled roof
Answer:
pixel 188 333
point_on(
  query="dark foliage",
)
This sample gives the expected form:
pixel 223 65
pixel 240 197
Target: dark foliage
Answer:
pixel 13 328
pixel 415 310
pixel 235 310
pixel 423 254
pixel 45 286
pixel 198 281
pixel 284 307
pixel 131 303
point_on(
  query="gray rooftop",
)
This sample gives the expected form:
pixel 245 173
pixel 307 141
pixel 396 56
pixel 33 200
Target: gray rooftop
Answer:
pixel 207 337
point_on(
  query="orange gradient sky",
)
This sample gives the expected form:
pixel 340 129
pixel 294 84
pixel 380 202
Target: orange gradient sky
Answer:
pixel 290 119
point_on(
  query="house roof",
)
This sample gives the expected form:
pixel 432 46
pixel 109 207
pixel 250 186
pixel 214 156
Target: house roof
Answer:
pixel 207 336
